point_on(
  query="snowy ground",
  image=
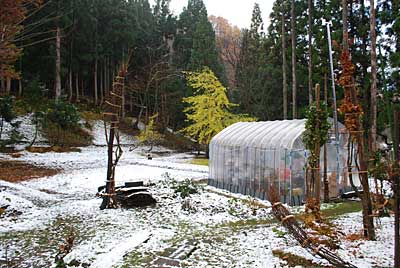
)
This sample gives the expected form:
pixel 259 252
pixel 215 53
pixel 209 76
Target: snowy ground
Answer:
pixel 228 231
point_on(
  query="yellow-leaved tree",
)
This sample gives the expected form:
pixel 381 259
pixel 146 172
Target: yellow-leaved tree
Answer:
pixel 209 109
pixel 150 136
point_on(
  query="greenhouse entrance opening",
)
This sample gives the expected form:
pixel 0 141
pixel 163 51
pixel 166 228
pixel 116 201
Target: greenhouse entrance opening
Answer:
pixel 250 157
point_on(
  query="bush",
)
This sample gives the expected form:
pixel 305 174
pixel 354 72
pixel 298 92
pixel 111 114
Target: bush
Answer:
pixel 57 136
pixel 185 188
pixel 61 125
pixel 63 114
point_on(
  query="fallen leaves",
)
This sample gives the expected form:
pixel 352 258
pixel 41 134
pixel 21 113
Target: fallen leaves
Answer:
pixel 16 171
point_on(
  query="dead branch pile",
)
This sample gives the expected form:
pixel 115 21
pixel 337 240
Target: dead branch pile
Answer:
pixel 294 228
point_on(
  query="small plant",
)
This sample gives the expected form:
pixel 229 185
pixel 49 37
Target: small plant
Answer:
pixel 15 135
pixel 37 119
pixel 279 233
pixel 64 249
pixel 185 188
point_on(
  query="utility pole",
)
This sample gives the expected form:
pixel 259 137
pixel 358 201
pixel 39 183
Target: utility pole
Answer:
pixel 335 119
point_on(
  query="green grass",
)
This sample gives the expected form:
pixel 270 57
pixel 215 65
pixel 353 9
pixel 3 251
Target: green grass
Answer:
pixel 341 208
pixel 199 161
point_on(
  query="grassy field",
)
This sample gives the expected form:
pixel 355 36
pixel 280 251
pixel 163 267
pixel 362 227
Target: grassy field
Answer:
pixel 199 161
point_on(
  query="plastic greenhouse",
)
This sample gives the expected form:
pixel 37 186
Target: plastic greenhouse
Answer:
pixel 248 157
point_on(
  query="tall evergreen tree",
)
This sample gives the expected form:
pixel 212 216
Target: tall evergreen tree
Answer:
pixel 294 63
pixel 204 52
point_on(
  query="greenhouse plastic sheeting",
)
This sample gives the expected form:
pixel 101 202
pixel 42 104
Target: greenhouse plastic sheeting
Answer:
pixel 249 157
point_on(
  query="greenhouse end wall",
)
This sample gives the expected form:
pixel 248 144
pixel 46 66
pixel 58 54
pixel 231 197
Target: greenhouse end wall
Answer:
pixel 251 157
pixel 252 171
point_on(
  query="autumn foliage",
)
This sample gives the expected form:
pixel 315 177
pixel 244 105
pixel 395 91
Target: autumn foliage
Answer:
pixel 13 13
pixel 352 111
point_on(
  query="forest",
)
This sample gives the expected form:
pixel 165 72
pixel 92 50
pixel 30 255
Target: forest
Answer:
pixel 71 49
pixel 134 93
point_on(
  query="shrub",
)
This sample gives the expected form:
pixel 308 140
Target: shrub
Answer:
pixel 185 188
pixel 61 125
pixel 63 114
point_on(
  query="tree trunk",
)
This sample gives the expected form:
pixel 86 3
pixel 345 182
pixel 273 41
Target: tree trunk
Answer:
pixel 2 85
pixel 317 152
pixel 310 82
pixel 373 77
pixel 294 86
pixel 284 78
pixel 71 54
pixel 326 182
pixel 106 77
pixel 396 189
pixel 96 97
pixel 110 182
pixel 8 85
pixel 369 230
pixel 131 102
pixel 101 86
pixel 77 86
pixel 345 26
pixel 58 64
pixel 70 86
pixel 123 104
pixel 82 88
pixel 20 87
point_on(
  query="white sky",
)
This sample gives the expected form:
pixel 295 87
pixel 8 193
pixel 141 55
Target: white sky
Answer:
pixel 237 12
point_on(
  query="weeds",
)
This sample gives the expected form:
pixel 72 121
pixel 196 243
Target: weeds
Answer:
pixel 64 249
pixel 185 188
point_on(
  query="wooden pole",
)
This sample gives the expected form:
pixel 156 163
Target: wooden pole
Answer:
pixel 317 150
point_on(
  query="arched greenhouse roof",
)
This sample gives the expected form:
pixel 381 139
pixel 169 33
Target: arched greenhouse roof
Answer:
pixel 266 135
pixel 284 134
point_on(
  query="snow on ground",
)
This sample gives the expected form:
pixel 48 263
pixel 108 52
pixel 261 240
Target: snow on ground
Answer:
pixel 364 253
pixel 99 135
pixel 26 129
pixel 228 231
